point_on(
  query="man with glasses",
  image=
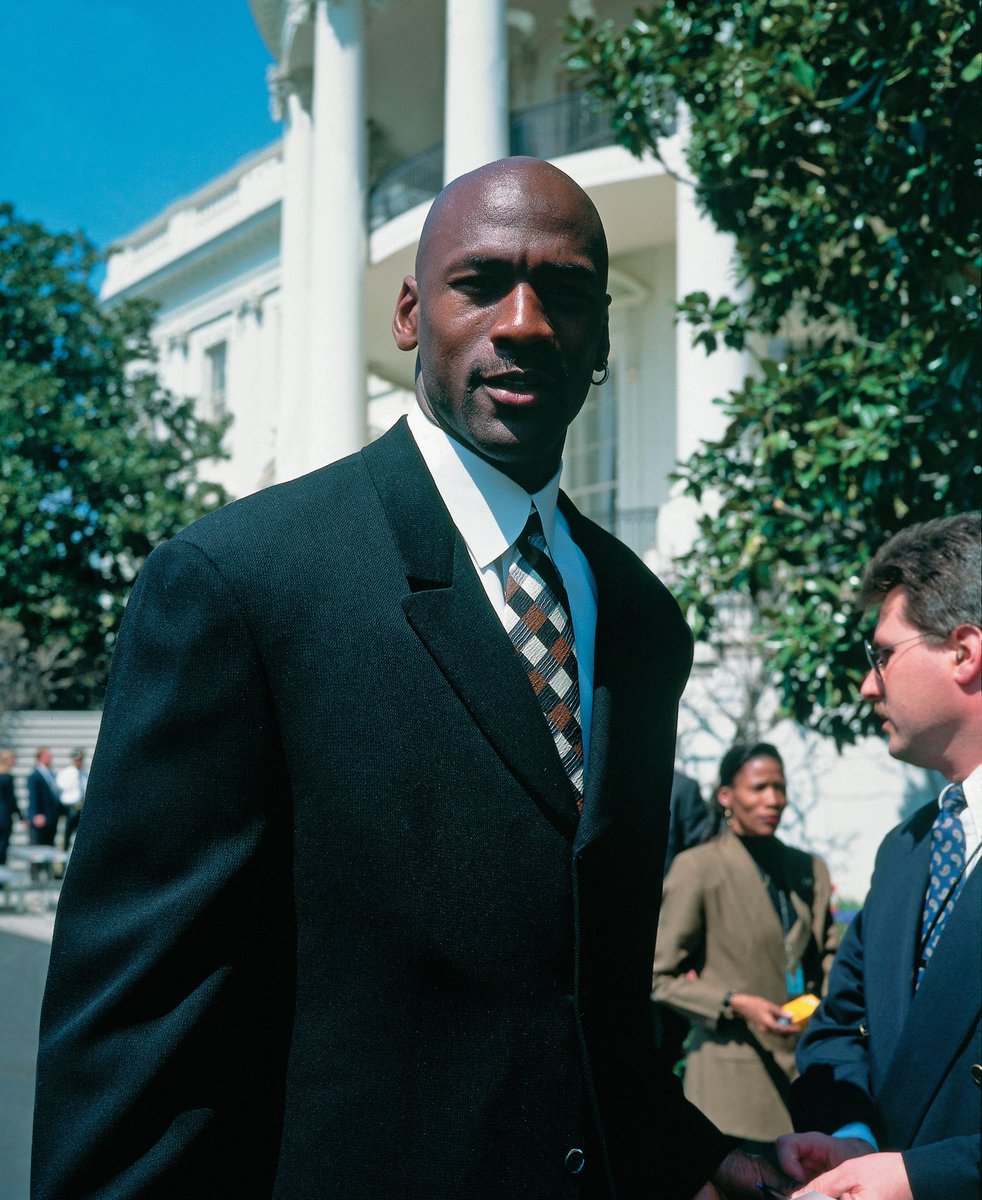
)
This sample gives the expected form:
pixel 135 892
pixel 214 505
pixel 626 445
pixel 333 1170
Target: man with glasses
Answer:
pixel 891 1065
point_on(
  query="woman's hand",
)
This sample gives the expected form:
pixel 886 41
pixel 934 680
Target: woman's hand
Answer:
pixel 761 1014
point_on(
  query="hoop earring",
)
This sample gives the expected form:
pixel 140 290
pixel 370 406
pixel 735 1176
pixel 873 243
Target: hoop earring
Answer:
pixel 605 375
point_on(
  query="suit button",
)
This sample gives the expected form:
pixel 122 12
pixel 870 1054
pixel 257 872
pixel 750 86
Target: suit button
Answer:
pixel 977 1073
pixel 575 1161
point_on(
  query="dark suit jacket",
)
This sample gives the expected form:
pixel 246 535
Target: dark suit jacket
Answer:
pixel 9 808
pixel 904 1063
pixel 42 801
pixel 331 927
pixel 690 823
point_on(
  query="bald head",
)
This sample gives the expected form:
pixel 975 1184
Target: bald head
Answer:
pixel 508 313
pixel 507 190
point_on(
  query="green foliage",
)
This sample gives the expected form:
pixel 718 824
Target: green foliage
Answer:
pixel 836 142
pixel 98 462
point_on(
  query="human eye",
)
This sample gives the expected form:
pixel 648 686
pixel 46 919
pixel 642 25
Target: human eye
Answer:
pixel 481 281
pixel 571 289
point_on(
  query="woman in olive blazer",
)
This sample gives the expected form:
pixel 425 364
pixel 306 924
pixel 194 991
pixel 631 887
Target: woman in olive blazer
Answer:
pixel 745 926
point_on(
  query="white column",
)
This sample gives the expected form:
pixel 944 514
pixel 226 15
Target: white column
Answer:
pixel 294 279
pixel 252 414
pixel 704 262
pixel 336 399
pixel 475 102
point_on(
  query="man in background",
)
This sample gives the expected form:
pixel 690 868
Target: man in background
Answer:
pixel 71 783
pixel 891 1064
pixel 690 821
pixel 43 800
pixel 9 808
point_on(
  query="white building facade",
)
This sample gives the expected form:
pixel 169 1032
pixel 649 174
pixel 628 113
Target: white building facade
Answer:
pixel 276 282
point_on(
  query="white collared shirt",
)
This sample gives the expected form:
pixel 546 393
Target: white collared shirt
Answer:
pixel 490 511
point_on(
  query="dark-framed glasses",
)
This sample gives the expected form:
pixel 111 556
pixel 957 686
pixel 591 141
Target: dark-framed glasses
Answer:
pixel 879 656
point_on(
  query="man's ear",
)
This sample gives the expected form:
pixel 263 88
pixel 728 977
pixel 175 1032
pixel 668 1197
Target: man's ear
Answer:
pixel 967 641
pixel 604 352
pixel 405 322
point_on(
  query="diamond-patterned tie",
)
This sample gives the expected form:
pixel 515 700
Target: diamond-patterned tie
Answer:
pixel 537 618
pixel 947 872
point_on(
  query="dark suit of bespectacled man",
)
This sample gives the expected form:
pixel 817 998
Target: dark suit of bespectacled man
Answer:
pixel 334 925
pixel 889 1100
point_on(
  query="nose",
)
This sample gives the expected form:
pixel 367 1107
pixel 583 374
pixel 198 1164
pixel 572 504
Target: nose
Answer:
pixel 521 316
pixel 872 686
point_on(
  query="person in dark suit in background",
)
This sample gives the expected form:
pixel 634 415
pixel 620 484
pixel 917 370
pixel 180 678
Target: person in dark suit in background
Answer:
pixel 891 1065
pixel 690 821
pixel 364 900
pixel 43 800
pixel 9 808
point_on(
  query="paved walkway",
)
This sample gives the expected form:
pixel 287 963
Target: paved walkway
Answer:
pixel 24 944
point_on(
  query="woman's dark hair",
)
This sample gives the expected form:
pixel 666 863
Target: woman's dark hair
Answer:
pixel 739 755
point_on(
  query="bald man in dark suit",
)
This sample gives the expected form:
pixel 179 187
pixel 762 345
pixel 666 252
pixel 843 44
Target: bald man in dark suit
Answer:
pixel 353 912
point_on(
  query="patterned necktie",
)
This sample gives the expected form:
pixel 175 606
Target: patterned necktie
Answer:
pixel 947 877
pixel 537 618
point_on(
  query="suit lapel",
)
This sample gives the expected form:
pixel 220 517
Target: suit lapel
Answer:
pixel 891 947
pixel 942 1014
pixel 636 687
pixel 448 609
pixel 754 898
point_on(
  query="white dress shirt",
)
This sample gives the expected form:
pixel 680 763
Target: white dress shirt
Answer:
pixel 490 511
pixel 71 782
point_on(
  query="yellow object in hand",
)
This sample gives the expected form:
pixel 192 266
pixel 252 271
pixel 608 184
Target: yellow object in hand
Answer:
pixel 801 1008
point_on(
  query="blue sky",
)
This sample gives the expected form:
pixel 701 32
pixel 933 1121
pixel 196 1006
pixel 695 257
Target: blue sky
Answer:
pixel 111 109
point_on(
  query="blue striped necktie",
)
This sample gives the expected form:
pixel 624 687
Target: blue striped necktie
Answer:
pixel 947 873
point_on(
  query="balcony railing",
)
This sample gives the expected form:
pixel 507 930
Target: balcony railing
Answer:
pixel 564 125
pixel 410 183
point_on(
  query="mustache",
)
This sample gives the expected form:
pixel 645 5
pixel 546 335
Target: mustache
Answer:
pixel 536 368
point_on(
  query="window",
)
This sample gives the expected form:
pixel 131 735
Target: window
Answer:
pixel 216 358
pixel 590 457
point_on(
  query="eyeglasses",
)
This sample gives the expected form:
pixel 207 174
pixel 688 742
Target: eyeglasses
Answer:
pixel 879 656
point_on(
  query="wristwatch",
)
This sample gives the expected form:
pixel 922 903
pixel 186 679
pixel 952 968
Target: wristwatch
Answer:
pixel 726 1008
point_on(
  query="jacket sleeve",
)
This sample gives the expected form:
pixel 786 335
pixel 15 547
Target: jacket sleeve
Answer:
pixel 9 797
pixel 681 946
pixel 34 802
pixel 833 1055
pixel 945 1170
pixel 161 1062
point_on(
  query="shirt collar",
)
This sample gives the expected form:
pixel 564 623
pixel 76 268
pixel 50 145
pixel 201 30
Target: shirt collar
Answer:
pixel 488 509
pixel 972 787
